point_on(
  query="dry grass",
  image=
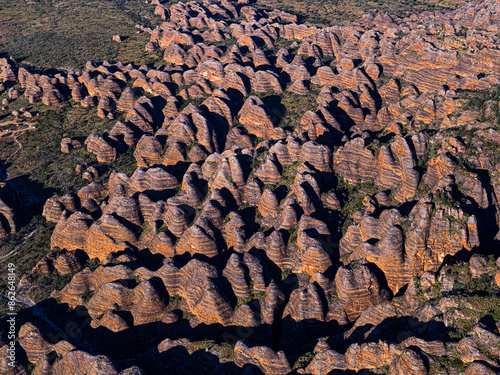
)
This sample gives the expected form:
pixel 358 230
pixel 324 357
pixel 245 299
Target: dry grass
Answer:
pixel 68 33
pixel 330 12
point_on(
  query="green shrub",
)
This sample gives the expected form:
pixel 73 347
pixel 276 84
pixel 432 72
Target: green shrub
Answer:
pixel 450 363
pixel 162 228
pixel 243 301
pixel 174 300
pixel 303 360
pixel 42 288
pixel 55 33
pixel 87 295
pixel 145 227
pixel 93 264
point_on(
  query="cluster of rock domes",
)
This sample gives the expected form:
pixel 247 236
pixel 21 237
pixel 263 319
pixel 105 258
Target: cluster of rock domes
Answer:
pixel 241 302
pixel 229 226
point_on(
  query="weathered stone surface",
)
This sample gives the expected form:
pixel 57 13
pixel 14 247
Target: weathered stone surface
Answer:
pixel 102 148
pixel 8 217
pixel 67 144
pixel 33 343
pixel 254 117
pixel 67 263
pixel 126 101
pixel 263 357
pixel 357 289
pixel 297 227
pixel 148 151
pixel 409 362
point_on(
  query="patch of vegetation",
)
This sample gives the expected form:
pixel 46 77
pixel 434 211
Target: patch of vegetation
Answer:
pixel 293 232
pixel 174 300
pixel 225 349
pixel 203 344
pixel 187 316
pixel 125 163
pixel 228 43
pixel 260 295
pixel 477 100
pixel 352 195
pixel 285 274
pixel 333 12
pixel 196 102
pixel 450 363
pixel 36 237
pixel 30 367
pixel 93 264
pixel 161 229
pixel 283 43
pixel 289 173
pixel 405 225
pixel 68 33
pixel 493 150
pixel 259 160
pixel 464 326
pixel 375 147
pixel 303 360
pixel 136 279
pixel 462 32
pixel 422 189
pixel 444 198
pixel 38 168
pixel 296 105
pixel 87 295
pixel 243 301
pixel 430 152
pixel 486 305
pixel 43 288
pixel 477 297
pixel 145 227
